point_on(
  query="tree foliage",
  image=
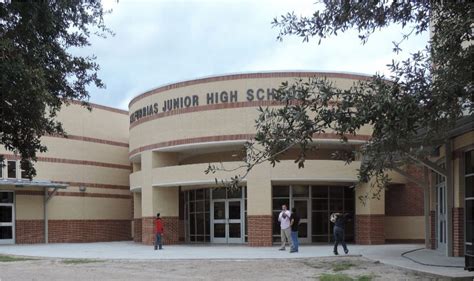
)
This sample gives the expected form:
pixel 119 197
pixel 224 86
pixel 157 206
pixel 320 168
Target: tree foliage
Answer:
pixel 38 72
pixel 409 111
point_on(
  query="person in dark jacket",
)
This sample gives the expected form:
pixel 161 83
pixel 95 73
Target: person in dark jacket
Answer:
pixel 339 224
pixel 158 232
pixel 294 222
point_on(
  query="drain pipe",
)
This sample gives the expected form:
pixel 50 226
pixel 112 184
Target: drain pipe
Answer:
pixel 47 197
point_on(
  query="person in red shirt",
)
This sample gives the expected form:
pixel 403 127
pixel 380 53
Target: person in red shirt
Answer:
pixel 158 232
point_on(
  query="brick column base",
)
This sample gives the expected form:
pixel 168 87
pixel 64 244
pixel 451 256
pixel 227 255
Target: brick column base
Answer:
pixel 259 231
pixel 458 232
pixel 370 229
pixel 171 230
pixel 137 230
pixel 432 230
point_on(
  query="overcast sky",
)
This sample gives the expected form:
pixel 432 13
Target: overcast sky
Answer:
pixel 160 42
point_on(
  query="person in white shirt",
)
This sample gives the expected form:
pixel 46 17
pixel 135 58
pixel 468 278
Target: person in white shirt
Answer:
pixel 284 219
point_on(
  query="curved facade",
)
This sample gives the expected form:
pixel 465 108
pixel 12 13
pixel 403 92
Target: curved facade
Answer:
pixel 178 129
pixel 90 172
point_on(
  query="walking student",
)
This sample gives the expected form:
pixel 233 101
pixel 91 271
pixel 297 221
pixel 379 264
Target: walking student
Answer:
pixel 158 232
pixel 339 221
pixel 284 219
pixel 294 222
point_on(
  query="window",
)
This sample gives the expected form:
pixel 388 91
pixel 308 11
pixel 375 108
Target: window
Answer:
pixel 469 200
pixel 11 169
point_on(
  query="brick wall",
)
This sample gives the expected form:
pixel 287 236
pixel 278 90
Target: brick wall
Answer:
pixel 370 229
pixel 433 230
pixel 29 231
pixel 171 230
pixel 458 232
pixel 404 200
pixel 137 229
pixel 259 230
pixel 67 231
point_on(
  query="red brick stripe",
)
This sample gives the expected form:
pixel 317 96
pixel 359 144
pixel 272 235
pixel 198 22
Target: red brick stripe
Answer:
pixel 94 185
pixel 230 138
pixel 103 107
pixel 72 161
pixel 74 194
pixel 288 74
pixel 88 139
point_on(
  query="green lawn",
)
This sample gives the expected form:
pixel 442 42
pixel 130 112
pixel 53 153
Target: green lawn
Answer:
pixel 6 258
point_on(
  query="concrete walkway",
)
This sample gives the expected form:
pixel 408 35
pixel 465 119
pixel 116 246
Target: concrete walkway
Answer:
pixel 387 254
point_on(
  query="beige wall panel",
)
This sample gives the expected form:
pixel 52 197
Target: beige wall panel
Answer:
pixel 97 190
pixel 317 170
pixel 82 150
pixel 464 140
pixel 166 201
pixel 137 205
pixel 190 125
pixel 81 173
pixel 259 191
pixel 136 180
pixel 99 123
pixel 240 85
pixel 370 205
pixel 87 208
pixel 405 227
pixel 29 207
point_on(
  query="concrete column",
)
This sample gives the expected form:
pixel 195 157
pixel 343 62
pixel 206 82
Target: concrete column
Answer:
pixel 259 206
pixel 370 216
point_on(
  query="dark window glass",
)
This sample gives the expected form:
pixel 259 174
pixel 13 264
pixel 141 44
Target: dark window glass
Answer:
pixel 319 192
pixel 200 238
pixel 303 230
pixel 200 194
pixel 192 224
pixel 336 191
pixel 235 193
pixel 207 206
pixel 320 223
pixel 199 206
pixel 207 238
pixel 277 203
pixel 218 193
pixel 200 224
pixel 6 197
pixel 219 230
pixel 6 232
pixel 469 162
pixel 192 207
pixel 12 169
pixel 192 238
pixel 469 186
pixel 219 210
pixel 234 230
pixel 276 224
pixel 192 195
pixel 320 204
pixel 6 213
pixel 336 205
pixel 234 210
pixel 470 221
pixel 349 205
pixel 281 191
pixel 300 191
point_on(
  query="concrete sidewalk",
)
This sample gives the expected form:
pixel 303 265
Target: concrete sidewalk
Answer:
pixel 387 254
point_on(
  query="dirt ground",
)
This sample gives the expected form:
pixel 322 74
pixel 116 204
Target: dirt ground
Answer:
pixel 357 268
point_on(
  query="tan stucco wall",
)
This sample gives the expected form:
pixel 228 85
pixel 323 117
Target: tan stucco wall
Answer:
pixel 404 227
pixel 29 207
pixel 137 205
pixel 86 208
pixel 369 205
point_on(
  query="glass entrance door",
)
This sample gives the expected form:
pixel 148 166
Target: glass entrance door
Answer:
pixel 302 209
pixel 7 217
pixel 227 221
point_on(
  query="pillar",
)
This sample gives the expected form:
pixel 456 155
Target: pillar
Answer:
pixel 370 216
pixel 163 200
pixel 259 206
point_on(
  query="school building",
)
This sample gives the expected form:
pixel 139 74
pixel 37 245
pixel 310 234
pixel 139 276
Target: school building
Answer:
pixel 117 169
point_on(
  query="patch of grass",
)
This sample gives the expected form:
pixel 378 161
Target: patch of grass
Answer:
pixel 5 258
pixel 342 266
pixel 335 277
pixel 79 261
pixel 365 278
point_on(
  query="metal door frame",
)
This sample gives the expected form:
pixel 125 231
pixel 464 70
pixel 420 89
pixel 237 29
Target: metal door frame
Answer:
pixel 12 223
